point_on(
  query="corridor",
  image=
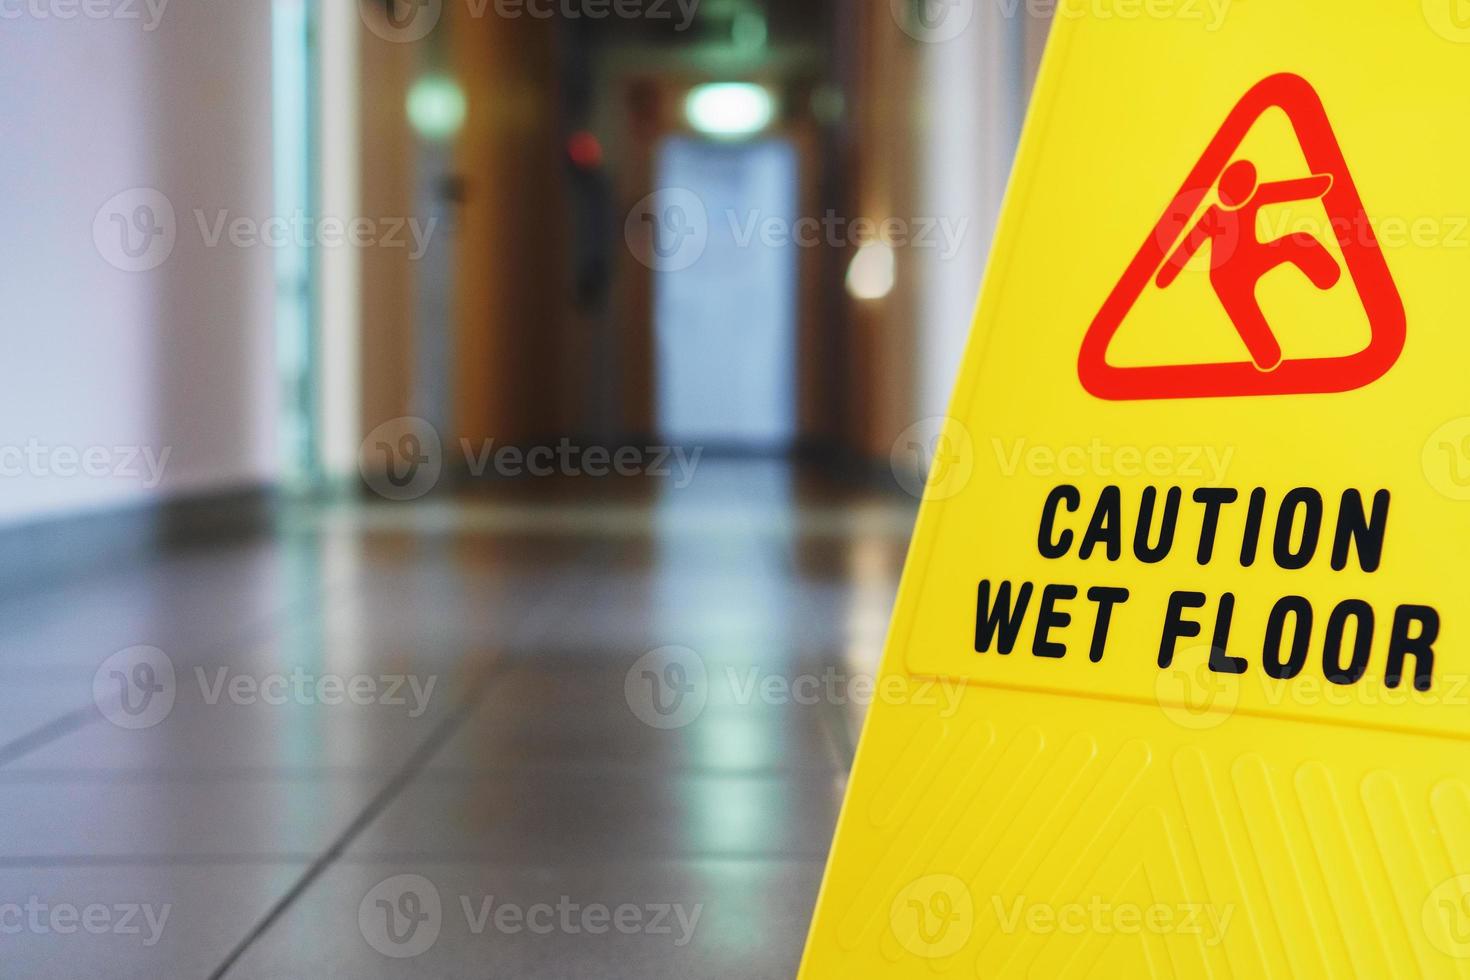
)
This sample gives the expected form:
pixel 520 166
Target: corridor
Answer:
pixel 457 465
pixel 575 729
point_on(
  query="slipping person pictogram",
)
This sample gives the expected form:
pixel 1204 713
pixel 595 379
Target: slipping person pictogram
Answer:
pixel 1228 188
pixel 1239 259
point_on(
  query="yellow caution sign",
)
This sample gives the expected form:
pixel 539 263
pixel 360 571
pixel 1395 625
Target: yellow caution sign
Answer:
pixel 1197 538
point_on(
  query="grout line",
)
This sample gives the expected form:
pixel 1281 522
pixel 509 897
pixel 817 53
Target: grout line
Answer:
pixel 72 721
pixel 581 861
pixel 373 858
pixel 80 718
pixel 406 774
pixel 591 769
pixel 41 861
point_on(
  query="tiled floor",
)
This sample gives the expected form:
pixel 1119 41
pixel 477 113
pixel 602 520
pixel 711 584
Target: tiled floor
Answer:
pixel 569 731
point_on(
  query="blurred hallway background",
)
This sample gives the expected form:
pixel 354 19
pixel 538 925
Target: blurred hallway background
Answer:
pixel 459 456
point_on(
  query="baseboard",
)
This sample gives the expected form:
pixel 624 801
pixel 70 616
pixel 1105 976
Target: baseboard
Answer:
pixel 46 552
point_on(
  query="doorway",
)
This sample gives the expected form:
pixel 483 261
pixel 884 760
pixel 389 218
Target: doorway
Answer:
pixel 725 326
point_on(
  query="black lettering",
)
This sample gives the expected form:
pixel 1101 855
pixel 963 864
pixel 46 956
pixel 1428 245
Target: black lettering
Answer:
pixel 1176 627
pixel 1049 618
pixel 1152 555
pixel 1332 664
pixel 1051 545
pixel 1301 611
pixel 1286 522
pixel 1420 645
pixel 1252 536
pixel 990 621
pixel 1106 599
pixel 1214 499
pixel 1355 528
pixel 1220 661
pixel 1106 526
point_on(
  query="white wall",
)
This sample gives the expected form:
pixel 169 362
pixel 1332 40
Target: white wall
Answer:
pixel 974 90
pixel 94 358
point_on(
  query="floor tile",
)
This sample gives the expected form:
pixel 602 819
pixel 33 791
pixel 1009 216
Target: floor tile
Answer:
pixel 659 920
pixel 557 815
pixel 567 695
pixel 132 922
pixel 45 819
pixel 569 712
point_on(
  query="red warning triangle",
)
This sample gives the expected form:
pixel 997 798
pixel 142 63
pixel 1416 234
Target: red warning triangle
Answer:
pixel 1238 260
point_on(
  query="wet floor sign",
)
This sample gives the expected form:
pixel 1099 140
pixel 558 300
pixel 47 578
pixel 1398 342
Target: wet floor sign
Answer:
pixel 1197 535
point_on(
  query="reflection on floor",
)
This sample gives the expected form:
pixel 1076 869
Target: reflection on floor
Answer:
pixel 568 731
